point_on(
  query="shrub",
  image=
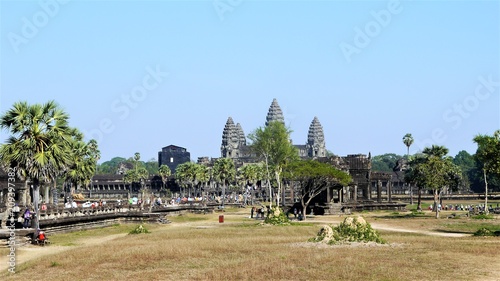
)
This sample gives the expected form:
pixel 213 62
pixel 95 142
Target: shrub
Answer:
pixel 277 217
pixel 139 229
pixel 350 230
pixel 486 232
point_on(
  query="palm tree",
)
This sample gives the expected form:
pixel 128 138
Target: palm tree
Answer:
pixel 164 172
pixel 38 145
pixel 408 141
pixel 83 159
pixel 203 176
pixel 249 175
pixel 435 171
pixel 488 154
pixel 224 172
pixel 186 174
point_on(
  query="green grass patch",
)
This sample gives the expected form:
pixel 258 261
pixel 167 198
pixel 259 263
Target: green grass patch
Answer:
pixel 483 217
pixel 188 218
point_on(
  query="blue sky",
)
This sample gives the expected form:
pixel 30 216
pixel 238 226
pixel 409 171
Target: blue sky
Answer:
pixel 141 75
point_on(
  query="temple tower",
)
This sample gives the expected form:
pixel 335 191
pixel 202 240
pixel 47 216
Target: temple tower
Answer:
pixel 233 140
pixel 275 113
pixel 316 140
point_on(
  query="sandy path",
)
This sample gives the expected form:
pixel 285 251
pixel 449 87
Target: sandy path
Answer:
pixel 379 226
pixel 32 252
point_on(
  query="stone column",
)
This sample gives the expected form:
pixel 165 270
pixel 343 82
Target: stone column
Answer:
pixel 328 195
pixel 389 191
pixel 355 195
pixel 379 191
pixel 46 189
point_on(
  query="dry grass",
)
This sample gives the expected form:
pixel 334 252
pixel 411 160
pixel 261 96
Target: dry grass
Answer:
pixel 200 248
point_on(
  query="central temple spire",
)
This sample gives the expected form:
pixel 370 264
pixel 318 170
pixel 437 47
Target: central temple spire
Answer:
pixel 274 113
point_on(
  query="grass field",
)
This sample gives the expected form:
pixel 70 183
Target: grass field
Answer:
pixel 198 247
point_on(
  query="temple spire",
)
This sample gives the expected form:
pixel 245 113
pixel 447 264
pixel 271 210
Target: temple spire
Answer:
pixel 316 139
pixel 274 113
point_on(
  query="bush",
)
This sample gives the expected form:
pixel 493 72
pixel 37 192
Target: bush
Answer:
pixel 486 232
pixel 350 230
pixel 277 217
pixel 139 229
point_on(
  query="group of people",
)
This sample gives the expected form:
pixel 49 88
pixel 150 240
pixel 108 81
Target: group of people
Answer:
pixel 27 215
pixel 259 212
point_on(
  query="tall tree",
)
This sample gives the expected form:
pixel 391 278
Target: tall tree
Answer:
pixel 434 170
pixel 164 172
pixel 38 145
pixel 83 161
pixel 249 174
pixel 488 153
pixel 224 172
pixel 272 144
pixel 408 141
pixel 315 177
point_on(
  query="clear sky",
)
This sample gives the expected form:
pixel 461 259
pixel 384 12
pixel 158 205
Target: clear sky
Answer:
pixel 141 75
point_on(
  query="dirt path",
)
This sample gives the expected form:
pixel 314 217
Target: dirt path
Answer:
pixel 33 252
pixel 380 226
pixel 426 232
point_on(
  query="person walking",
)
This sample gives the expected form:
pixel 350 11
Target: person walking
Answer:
pixel 27 218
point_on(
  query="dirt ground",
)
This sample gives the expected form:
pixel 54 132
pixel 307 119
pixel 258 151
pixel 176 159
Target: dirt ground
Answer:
pixel 32 252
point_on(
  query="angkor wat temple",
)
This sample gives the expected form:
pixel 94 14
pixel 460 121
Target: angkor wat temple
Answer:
pixel 366 184
pixel 369 190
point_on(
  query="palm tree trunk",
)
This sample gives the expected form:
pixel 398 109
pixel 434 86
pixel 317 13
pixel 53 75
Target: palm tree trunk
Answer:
pixel 419 200
pixel 436 200
pixel 486 211
pixel 36 218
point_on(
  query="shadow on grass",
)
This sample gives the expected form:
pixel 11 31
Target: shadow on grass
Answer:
pixel 453 231
pixel 397 215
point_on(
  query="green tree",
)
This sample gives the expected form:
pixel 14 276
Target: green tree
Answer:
pixel 151 166
pixel 314 177
pixel 111 166
pixel 187 175
pixel 272 145
pixel 224 172
pixel 408 141
pixel 434 170
pixel 467 165
pixel 38 145
pixel 385 162
pixel 83 161
pixel 164 172
pixel 250 174
pixel 488 153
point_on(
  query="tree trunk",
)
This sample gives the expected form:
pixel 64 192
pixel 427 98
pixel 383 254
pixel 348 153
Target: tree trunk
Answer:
pixel 486 210
pixel 279 189
pixel 411 194
pixel 419 200
pixel 36 197
pixel 436 200
pixel 223 193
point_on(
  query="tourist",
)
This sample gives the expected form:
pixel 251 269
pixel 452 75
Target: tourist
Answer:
pixel 41 236
pixel 16 210
pixel 27 218
pixel 295 212
pixel 251 212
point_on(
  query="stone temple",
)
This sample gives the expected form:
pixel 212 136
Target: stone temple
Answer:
pixel 369 190
pixel 234 144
